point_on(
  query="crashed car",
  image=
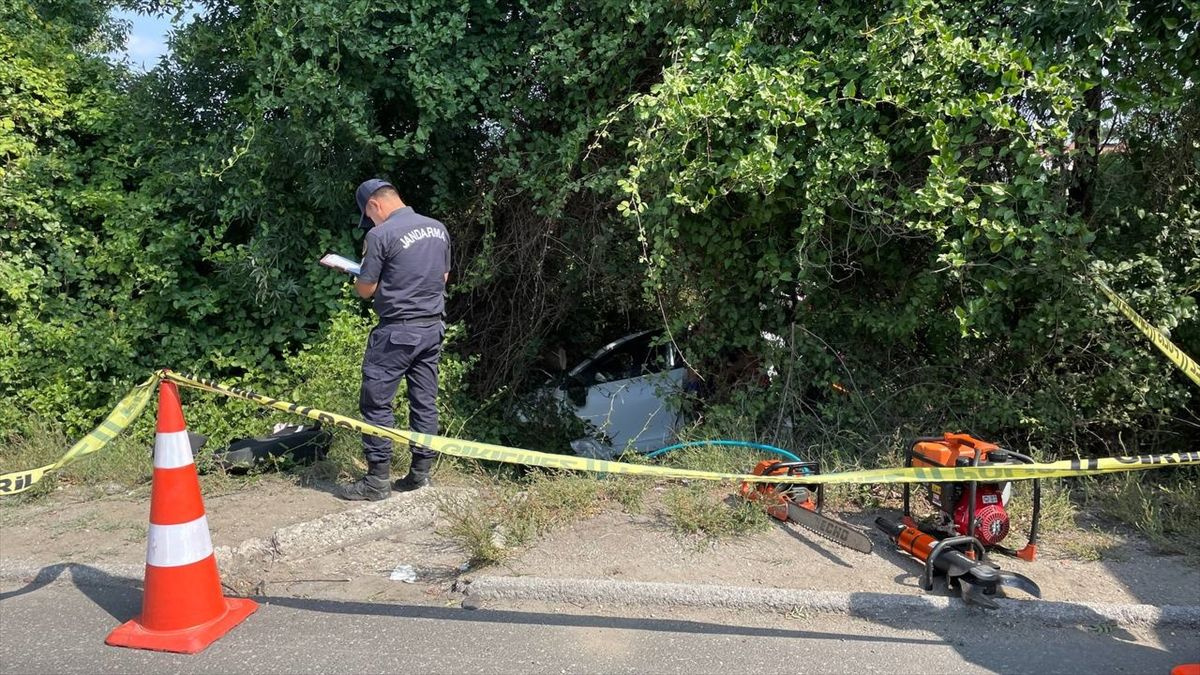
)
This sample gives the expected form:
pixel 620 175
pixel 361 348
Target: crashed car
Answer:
pixel 628 393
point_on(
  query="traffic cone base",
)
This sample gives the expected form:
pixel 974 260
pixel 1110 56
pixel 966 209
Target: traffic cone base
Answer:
pixel 184 641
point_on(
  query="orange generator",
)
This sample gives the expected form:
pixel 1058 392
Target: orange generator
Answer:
pixel 971 508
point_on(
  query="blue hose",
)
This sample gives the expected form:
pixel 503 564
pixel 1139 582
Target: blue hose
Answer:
pixel 742 444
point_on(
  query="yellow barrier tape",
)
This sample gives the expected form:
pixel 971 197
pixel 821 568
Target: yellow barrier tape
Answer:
pixel 1160 340
pixel 133 404
pixel 121 417
pixel 501 453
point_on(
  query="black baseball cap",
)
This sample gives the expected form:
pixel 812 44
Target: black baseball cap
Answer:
pixel 363 193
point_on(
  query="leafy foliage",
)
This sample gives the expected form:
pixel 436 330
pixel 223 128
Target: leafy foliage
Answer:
pixel 909 195
pixel 896 187
pixel 67 272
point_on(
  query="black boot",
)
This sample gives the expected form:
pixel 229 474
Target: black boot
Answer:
pixel 418 475
pixel 371 487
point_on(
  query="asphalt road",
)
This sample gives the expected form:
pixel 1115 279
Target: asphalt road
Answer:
pixel 61 628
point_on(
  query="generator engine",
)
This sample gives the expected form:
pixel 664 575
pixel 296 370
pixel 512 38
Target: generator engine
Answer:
pixel 970 508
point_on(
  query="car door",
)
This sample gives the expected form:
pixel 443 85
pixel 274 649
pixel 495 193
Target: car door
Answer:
pixel 629 388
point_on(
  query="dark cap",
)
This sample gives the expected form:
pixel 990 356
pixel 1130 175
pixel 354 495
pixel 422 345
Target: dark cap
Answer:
pixel 363 193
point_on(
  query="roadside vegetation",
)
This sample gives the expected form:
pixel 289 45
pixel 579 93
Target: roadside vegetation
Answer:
pixel 862 222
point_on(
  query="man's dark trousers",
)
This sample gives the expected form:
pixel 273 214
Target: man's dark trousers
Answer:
pixel 395 350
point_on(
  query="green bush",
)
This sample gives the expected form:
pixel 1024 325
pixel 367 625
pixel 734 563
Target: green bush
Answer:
pixel 911 196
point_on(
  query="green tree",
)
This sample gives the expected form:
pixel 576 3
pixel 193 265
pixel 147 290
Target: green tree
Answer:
pixel 64 267
pixel 914 185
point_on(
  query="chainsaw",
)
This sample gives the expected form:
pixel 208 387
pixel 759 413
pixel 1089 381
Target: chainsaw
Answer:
pixel 795 502
pixel 970 509
pixel 961 561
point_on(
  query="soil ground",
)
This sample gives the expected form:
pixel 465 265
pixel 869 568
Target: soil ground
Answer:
pixel 362 572
pixel 645 548
pixel 67 527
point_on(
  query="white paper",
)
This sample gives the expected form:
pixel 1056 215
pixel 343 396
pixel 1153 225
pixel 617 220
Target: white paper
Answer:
pixel 337 262
pixel 405 573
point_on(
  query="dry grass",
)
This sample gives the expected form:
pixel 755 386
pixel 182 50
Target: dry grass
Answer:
pixel 1163 508
pixel 509 514
pixel 125 463
pixel 711 512
pixel 1161 505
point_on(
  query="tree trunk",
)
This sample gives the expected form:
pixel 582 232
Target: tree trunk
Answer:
pixel 1086 158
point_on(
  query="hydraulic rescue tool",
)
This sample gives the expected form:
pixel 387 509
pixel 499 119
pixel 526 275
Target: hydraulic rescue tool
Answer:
pixel 979 581
pixel 971 509
pixel 971 520
pixel 795 503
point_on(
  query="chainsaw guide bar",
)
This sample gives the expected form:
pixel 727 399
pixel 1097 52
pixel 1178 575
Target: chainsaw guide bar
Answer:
pixel 834 531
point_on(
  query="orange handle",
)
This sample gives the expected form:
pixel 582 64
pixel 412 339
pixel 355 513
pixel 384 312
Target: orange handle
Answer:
pixel 969 441
pixel 916 542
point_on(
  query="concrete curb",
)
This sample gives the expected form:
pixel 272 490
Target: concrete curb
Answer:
pixel 884 606
pixel 344 528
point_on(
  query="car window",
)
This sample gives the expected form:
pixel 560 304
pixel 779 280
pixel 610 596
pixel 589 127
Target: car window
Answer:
pixel 634 358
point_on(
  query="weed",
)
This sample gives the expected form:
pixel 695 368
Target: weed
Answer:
pixel 40 444
pixel 701 510
pixel 713 458
pixel 125 462
pixel 1058 511
pixel 1083 547
pixel 509 513
pixel 74 524
pixel 799 614
pixel 546 502
pixel 133 532
pixel 628 491
pixel 1162 507
pixel 476 529
pixel 124 465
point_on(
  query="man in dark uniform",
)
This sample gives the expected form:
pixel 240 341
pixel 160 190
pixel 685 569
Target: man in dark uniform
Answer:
pixel 405 266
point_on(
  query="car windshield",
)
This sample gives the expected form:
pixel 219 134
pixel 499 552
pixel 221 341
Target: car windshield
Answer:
pixel 635 357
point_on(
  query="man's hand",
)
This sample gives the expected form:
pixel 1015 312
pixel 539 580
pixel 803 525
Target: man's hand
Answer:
pixel 364 289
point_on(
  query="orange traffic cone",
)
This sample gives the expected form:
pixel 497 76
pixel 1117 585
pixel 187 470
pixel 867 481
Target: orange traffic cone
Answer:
pixel 182 607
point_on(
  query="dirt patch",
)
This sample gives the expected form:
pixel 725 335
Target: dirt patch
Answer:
pixel 363 572
pixel 65 527
pixel 111 532
pixel 644 548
